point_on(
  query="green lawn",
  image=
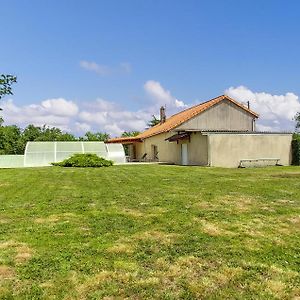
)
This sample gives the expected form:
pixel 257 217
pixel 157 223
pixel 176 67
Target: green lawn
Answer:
pixel 150 231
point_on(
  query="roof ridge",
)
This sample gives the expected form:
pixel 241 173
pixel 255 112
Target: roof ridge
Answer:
pixel 241 105
pixel 198 105
pixel 180 112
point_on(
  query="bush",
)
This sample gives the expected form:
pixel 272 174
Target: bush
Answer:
pixel 296 152
pixel 85 161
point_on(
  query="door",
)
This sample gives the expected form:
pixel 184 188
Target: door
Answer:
pixel 154 151
pixel 184 154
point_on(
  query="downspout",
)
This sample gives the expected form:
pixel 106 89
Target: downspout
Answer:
pixel 209 156
pixel 253 124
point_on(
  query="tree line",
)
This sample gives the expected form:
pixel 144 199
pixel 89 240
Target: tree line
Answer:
pixel 13 139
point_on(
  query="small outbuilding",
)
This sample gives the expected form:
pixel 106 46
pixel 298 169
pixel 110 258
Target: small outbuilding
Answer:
pixel 220 132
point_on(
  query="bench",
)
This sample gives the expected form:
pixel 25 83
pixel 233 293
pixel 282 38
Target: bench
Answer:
pixel 259 162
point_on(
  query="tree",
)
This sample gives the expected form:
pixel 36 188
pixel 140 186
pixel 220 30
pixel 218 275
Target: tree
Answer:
pixel 10 142
pixel 130 133
pixel 297 119
pixel 5 84
pixel 154 121
pixel 54 134
pixel 97 136
pixel 5 87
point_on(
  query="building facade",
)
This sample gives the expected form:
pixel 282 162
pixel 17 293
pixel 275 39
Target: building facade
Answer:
pixel 220 132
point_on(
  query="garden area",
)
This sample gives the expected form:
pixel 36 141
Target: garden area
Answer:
pixel 150 231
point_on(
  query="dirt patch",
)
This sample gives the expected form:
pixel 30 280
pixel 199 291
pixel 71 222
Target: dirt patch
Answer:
pixel 202 276
pixel 55 218
pixel 210 228
pixel 149 281
pixel 8 244
pixel 285 201
pixel 295 220
pixel 132 213
pixel 4 220
pixel 276 287
pixel 95 282
pixel 120 249
pixel 6 272
pixel 22 252
pixel 156 236
pixel 239 202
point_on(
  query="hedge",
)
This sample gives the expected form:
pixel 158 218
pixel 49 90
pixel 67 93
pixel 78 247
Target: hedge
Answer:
pixel 86 160
pixel 296 152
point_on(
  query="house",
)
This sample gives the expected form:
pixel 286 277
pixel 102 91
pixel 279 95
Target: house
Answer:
pixel 219 132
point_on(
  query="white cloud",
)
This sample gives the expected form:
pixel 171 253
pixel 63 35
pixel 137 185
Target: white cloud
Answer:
pixel 98 115
pixel 82 127
pixel 51 112
pixel 162 97
pixel 94 67
pixel 95 117
pixel 113 129
pixel 104 70
pixel 276 111
pixel 60 107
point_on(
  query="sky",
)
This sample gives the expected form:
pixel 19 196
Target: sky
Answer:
pixel 109 65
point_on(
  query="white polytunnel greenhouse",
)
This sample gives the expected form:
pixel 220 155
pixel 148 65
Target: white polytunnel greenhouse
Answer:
pixel 39 154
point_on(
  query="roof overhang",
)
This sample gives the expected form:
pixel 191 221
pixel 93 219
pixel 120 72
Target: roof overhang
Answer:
pixel 179 136
pixel 125 140
pixel 208 132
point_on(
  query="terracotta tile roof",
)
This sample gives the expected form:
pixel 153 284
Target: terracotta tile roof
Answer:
pixel 124 140
pixel 181 117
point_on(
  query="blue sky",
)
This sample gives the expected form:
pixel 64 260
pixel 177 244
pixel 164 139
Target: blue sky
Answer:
pixel 98 58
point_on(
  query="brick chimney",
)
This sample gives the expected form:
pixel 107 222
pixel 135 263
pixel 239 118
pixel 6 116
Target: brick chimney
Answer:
pixel 162 115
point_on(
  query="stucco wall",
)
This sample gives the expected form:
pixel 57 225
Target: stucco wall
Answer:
pixel 167 152
pixel 197 150
pixel 226 150
pixel 170 152
pixel 223 116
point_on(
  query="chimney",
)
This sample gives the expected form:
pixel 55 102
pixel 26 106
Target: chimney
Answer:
pixel 162 115
pixel 248 104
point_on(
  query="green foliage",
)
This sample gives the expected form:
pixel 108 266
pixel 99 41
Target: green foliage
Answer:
pixel 130 133
pixel 297 119
pixel 5 87
pixel 296 136
pixel 97 136
pixel 53 134
pixel 10 142
pixel 154 121
pixel 296 152
pixel 87 160
pixel 5 84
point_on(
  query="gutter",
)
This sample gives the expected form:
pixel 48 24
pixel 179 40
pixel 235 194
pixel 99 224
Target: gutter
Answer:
pixel 209 156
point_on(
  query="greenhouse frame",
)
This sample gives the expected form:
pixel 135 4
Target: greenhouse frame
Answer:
pixel 40 154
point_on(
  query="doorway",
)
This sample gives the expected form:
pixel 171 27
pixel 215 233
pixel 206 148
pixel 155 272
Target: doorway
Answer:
pixel 154 153
pixel 184 154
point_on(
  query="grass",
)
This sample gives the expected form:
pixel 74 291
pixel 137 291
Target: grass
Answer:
pixel 150 231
